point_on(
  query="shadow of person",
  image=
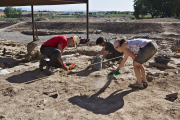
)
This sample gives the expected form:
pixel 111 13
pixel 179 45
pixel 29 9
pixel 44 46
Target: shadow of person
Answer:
pixel 100 105
pixel 24 77
pixel 87 71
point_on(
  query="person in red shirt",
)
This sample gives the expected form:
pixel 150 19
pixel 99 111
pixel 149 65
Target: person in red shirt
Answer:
pixel 53 49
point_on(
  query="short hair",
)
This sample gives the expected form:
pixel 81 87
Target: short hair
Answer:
pixel 100 40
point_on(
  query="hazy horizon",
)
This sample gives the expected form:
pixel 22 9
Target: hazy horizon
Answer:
pixel 94 5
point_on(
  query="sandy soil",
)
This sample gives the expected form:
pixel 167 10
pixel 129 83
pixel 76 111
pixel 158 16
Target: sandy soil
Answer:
pixel 105 19
pixel 85 94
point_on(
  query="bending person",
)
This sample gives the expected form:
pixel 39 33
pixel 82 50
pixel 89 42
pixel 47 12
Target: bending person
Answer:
pixel 140 50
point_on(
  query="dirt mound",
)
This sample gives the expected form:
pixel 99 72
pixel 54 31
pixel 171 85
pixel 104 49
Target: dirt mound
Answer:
pixel 42 19
pixel 108 27
pixel 6 24
pixel 122 25
pixel 24 19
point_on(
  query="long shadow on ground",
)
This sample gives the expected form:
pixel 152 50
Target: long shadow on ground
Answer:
pixel 24 77
pixel 100 105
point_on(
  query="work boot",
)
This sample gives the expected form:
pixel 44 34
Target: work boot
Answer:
pixel 145 84
pixel 42 63
pixel 136 85
pixel 48 70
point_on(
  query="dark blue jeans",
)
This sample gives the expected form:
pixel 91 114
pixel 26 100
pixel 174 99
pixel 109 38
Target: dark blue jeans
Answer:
pixel 52 54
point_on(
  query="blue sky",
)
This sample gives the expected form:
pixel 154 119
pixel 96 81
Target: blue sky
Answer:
pixel 94 5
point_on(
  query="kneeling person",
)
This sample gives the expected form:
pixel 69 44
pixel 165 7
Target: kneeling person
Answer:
pixel 53 49
pixel 108 50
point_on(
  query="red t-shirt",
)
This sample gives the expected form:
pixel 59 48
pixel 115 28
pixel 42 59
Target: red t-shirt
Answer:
pixel 55 41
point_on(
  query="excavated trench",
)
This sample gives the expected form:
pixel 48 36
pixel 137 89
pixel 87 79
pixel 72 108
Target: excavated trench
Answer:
pixel 6 24
pixel 108 27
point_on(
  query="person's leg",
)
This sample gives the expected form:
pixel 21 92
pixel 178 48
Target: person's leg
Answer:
pixel 109 56
pixel 42 62
pixel 52 54
pixel 143 74
pixel 137 71
pixel 137 68
pixel 54 57
pixel 57 64
pixel 114 57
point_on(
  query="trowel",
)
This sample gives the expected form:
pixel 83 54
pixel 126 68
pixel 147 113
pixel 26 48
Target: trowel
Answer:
pixel 72 66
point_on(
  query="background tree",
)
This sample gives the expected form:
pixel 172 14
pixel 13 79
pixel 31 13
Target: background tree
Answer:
pixel 163 8
pixel 152 7
pixel 144 10
pixel 12 12
pixel 112 12
pixel 137 8
pixel 8 12
pixel 19 12
pixel 176 7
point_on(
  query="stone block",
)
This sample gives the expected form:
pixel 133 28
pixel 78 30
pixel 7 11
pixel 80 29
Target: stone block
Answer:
pixel 163 66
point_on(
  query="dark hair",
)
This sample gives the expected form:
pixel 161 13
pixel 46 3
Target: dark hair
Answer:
pixel 121 41
pixel 100 40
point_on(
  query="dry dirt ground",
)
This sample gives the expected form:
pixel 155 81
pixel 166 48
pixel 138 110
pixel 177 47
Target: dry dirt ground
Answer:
pixel 85 94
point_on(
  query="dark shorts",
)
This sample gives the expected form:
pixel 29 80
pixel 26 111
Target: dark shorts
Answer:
pixel 146 52
pixel 114 56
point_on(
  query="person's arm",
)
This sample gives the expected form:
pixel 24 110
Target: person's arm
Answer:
pixel 105 54
pixel 59 58
pixel 127 53
pixel 61 52
pixel 102 51
pixel 122 62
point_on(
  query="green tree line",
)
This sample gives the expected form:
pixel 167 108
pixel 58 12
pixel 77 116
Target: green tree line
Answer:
pixel 12 12
pixel 162 8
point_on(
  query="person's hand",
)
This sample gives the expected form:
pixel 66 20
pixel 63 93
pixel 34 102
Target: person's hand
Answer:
pixel 65 67
pixel 97 55
pixel 116 70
